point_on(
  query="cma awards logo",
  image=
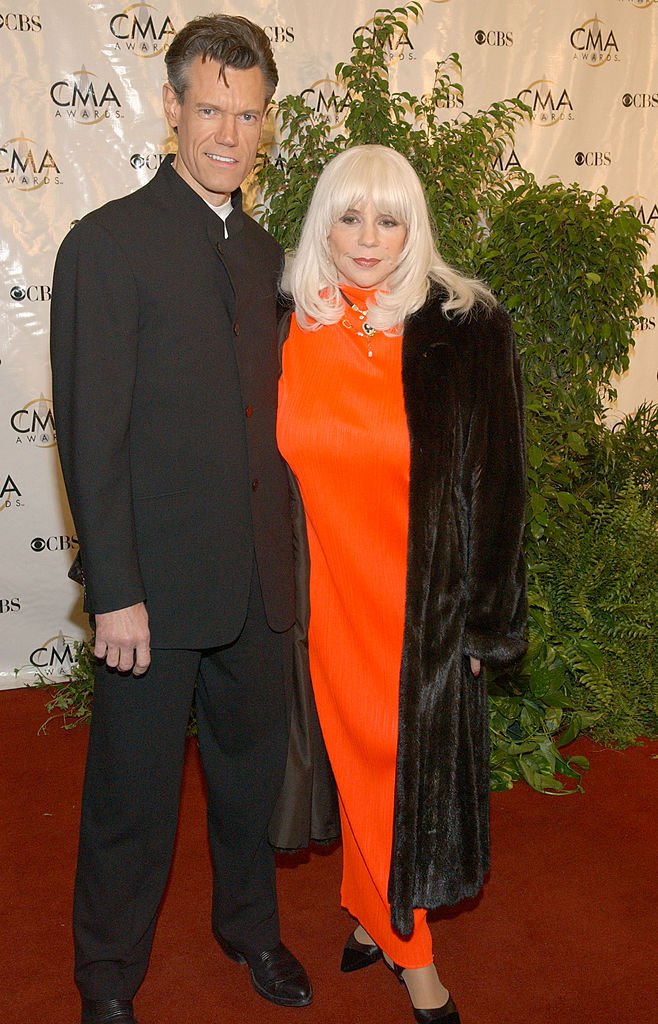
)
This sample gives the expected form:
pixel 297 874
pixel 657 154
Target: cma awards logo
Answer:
pixel 273 155
pixel 645 210
pixel 141 29
pixel 399 47
pixel 507 160
pixel 80 97
pixel 27 166
pixel 56 655
pixel 593 44
pixel 10 493
pixel 328 100
pixel 34 423
pixel 549 104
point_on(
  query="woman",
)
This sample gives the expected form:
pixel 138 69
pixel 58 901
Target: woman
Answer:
pixel 401 417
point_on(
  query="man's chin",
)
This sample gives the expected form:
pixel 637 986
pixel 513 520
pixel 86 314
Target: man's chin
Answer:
pixel 222 185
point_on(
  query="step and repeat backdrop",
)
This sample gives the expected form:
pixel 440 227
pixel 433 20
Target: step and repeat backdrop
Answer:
pixel 81 123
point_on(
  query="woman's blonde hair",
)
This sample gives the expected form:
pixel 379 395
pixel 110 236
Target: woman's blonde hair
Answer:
pixel 382 176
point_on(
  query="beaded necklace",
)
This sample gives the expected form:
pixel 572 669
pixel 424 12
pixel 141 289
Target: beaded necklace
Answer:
pixel 368 330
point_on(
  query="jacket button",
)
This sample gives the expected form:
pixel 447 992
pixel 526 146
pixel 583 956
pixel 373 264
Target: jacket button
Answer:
pixel 254 485
pixel 249 411
pixel 236 328
pixel 219 249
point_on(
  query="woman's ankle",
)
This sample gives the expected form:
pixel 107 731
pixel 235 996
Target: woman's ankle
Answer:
pixel 361 935
pixel 425 988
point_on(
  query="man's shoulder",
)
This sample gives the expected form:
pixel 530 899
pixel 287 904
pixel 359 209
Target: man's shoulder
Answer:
pixel 117 223
pixel 120 213
pixel 260 237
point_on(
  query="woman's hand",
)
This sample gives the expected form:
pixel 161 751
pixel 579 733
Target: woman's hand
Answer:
pixel 476 666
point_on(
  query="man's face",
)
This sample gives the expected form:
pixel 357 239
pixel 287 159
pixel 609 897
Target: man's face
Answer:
pixel 219 127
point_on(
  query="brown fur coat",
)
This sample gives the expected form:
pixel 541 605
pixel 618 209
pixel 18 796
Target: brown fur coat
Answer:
pixel 465 596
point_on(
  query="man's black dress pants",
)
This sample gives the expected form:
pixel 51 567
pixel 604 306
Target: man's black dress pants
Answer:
pixel 131 795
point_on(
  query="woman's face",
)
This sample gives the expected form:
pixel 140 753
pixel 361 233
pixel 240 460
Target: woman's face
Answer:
pixel 366 245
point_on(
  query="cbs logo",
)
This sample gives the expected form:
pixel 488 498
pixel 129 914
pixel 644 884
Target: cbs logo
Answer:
pixel 60 543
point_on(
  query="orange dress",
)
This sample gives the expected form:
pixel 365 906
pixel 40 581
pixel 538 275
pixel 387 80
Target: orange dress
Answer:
pixel 343 431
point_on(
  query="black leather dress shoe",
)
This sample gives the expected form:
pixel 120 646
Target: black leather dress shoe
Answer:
pixel 107 1011
pixel 446 1014
pixel 358 955
pixel 276 974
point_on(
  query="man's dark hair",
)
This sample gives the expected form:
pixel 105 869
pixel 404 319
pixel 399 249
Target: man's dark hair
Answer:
pixel 229 41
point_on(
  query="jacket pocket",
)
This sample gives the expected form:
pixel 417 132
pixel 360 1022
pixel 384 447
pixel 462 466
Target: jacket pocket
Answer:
pixel 161 507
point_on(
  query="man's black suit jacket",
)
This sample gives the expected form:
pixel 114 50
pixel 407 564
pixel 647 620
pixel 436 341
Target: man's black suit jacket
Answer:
pixel 164 363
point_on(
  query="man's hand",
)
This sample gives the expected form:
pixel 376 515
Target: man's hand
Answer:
pixel 123 639
pixel 476 666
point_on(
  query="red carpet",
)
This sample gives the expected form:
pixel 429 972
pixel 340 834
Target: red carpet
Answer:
pixel 564 933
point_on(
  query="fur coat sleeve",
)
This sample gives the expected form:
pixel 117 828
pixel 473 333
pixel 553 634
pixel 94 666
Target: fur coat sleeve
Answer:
pixel 465 595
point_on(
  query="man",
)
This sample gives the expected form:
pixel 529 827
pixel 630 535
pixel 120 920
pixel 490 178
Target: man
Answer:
pixel 165 374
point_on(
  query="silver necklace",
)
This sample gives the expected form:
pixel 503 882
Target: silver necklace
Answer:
pixel 368 330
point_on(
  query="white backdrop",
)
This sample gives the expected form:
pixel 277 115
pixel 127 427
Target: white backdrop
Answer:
pixel 81 123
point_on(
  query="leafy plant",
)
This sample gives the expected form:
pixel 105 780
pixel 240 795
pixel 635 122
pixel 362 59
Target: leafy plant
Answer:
pixel 629 452
pixel 595 613
pixel 568 265
pixel 71 699
pixel 526 740
pixel 456 159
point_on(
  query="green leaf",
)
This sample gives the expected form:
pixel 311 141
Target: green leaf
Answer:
pixel 576 443
pixel 537 503
pixel 570 732
pixel 566 500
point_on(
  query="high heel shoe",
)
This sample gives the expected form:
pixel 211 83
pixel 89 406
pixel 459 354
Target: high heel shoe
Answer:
pixel 446 1014
pixel 358 955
